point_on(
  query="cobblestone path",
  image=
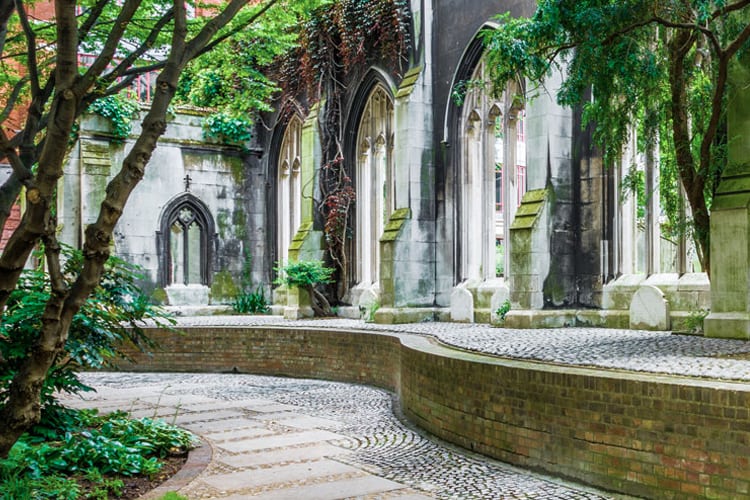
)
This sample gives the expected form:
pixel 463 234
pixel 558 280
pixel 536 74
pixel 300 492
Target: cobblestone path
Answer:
pixel 308 439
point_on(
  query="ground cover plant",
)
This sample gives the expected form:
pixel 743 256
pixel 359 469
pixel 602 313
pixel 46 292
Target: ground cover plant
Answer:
pixel 79 454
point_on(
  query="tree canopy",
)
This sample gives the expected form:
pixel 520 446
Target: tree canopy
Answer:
pixel 57 59
pixel 659 67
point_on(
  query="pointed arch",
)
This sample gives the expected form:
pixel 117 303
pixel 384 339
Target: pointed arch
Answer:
pixel 369 151
pixel 185 242
pixel 488 168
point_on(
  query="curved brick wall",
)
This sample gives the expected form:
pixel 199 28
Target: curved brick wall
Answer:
pixel 651 436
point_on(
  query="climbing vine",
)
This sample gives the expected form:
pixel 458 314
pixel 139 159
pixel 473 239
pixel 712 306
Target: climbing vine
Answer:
pixel 337 42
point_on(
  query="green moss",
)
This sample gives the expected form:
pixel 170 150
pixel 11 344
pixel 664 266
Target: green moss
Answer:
pixel 223 289
pixel 159 296
pixel 222 220
pixel 239 223
pixel 237 168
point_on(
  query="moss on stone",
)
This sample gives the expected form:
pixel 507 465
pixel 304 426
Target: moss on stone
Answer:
pixel 223 288
pixel 159 296
pixel 239 223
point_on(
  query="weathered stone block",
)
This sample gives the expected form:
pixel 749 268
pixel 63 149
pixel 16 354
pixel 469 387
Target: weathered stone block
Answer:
pixel 462 305
pixel 649 309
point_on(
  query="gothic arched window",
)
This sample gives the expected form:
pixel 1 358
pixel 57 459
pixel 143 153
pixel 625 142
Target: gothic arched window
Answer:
pixel 289 205
pixel 185 242
pixel 375 181
pixel 492 176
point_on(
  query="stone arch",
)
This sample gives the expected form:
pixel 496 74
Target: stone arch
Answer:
pixel 284 164
pixel 369 153
pixel 486 168
pixel 185 242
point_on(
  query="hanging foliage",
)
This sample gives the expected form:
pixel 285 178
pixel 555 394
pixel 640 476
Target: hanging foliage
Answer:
pixel 337 42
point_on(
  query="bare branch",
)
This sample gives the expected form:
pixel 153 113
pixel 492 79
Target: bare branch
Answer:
pixel 13 98
pixel 205 36
pixel 52 252
pixel 110 46
pixel 20 170
pixel 31 64
pixel 93 16
pixel 6 9
pixel 730 8
pixel 127 64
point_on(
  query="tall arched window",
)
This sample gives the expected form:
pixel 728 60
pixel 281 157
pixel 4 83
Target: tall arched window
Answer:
pixel 492 176
pixel 375 181
pixel 289 187
pixel 185 242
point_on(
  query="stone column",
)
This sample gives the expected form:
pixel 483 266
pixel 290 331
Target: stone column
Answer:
pixel 730 222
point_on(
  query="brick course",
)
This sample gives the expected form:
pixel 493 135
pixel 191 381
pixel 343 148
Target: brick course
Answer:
pixel 651 436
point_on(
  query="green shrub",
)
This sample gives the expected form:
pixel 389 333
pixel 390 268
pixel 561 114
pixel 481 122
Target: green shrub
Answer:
pixel 251 302
pixel 227 129
pixel 113 314
pixel 304 273
pixel 88 447
pixel 503 310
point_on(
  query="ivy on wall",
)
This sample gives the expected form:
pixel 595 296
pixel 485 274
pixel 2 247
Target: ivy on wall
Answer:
pixel 336 42
pixel 120 111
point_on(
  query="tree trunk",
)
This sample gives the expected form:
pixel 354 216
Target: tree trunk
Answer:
pixel 320 305
pixel 692 179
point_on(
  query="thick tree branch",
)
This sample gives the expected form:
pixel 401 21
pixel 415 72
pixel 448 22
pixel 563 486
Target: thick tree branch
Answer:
pixel 9 192
pixel 39 196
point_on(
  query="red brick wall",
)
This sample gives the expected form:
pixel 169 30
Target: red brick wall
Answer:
pixel 11 224
pixel 650 436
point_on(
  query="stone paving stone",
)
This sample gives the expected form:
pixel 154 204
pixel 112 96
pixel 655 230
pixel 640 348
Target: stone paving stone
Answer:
pixel 307 471
pixel 165 413
pixel 220 405
pixel 222 425
pixel 334 490
pixel 279 440
pixel 300 421
pixel 238 434
pixel 272 408
pixel 186 418
pixel 283 455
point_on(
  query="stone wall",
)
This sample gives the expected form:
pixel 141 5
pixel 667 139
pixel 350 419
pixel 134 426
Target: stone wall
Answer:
pixel 650 436
pixel 225 179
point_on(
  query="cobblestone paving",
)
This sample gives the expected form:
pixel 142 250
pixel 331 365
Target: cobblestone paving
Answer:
pixel 655 352
pixel 373 440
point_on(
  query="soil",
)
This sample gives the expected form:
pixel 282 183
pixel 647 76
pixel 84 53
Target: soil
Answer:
pixel 136 486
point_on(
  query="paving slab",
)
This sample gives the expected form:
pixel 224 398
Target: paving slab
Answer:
pixel 238 434
pixel 283 455
pixel 186 418
pixel 280 475
pixel 333 490
pixel 299 421
pixel 221 425
pixel 279 441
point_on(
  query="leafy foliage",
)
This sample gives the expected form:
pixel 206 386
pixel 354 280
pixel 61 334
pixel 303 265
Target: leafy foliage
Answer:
pixel 45 462
pixel 119 110
pixel 659 64
pixel 253 302
pixel 226 129
pixel 304 273
pixel 113 314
